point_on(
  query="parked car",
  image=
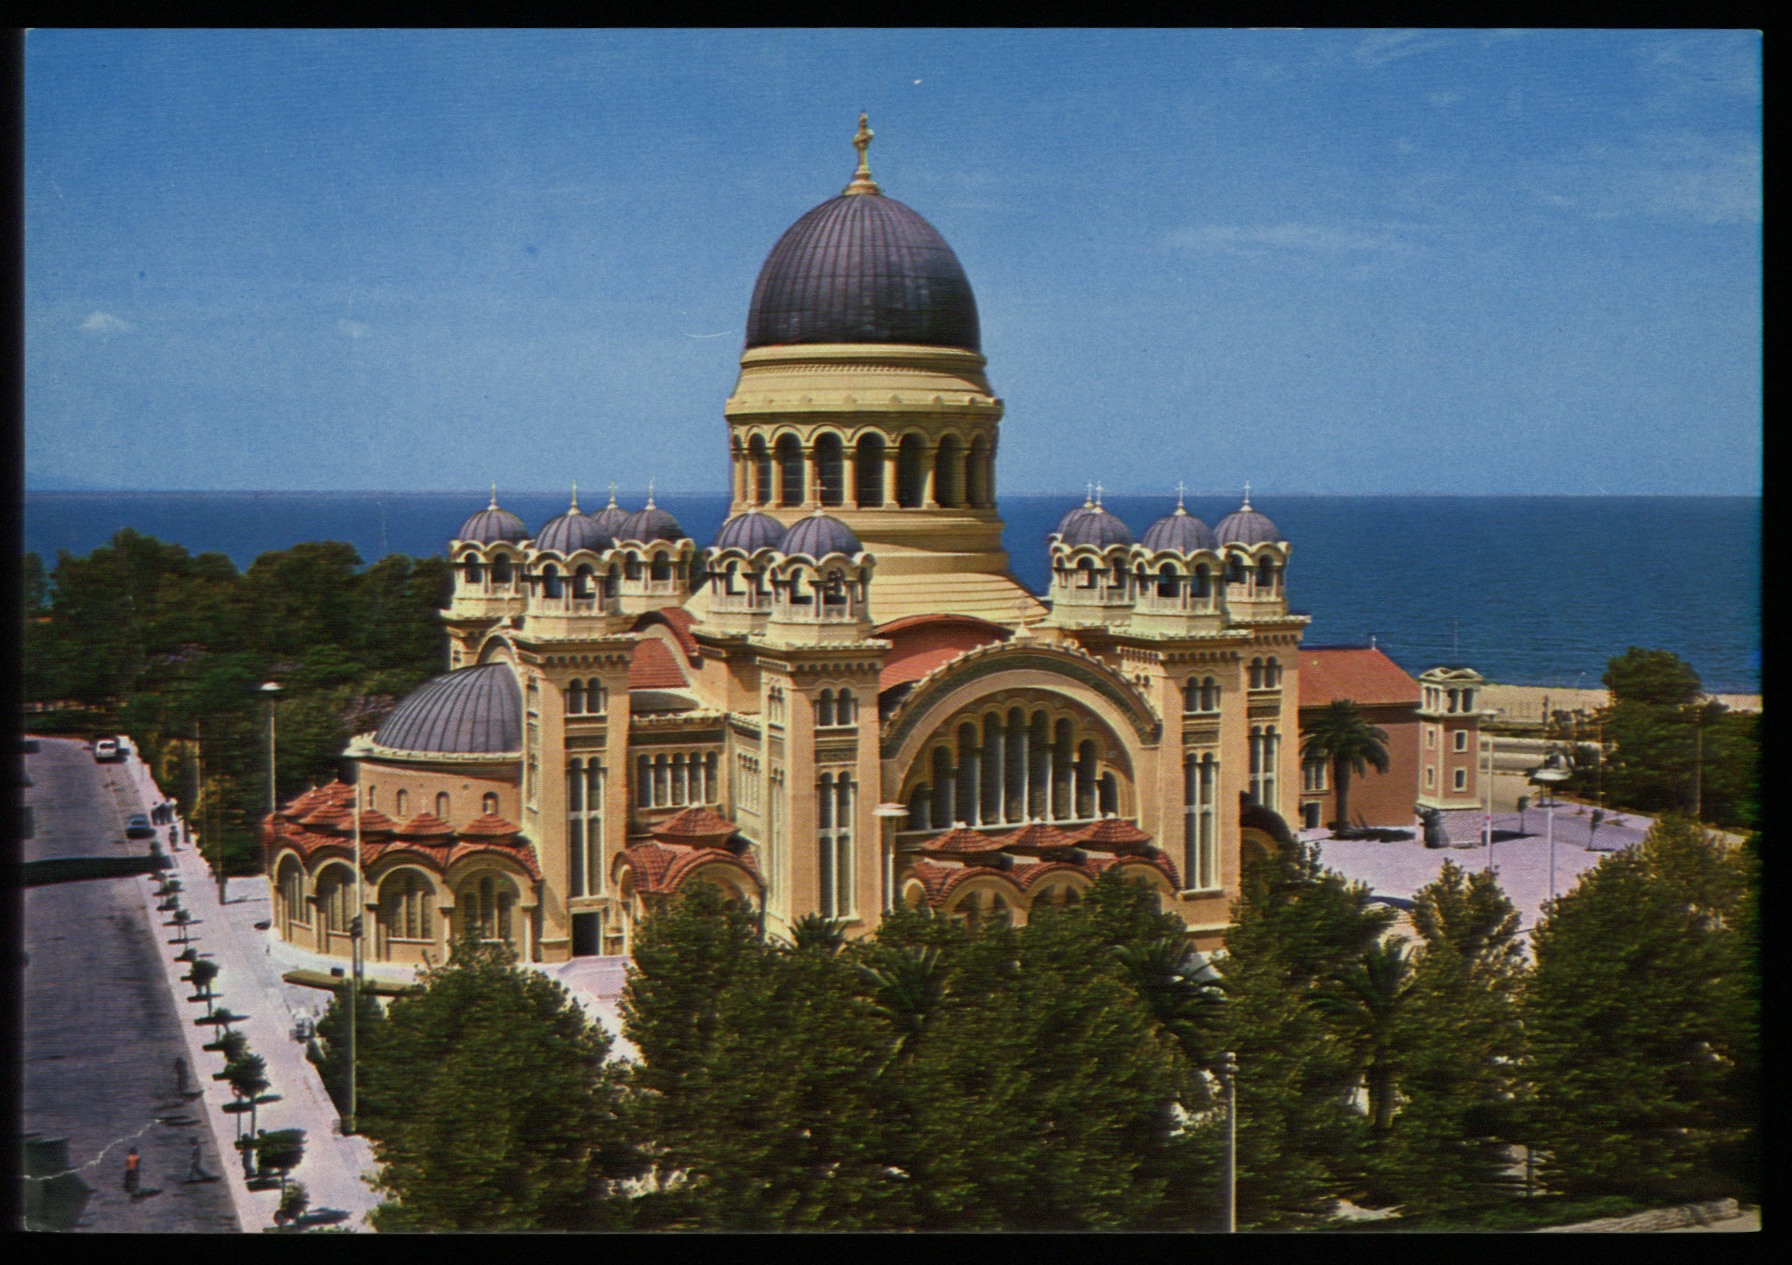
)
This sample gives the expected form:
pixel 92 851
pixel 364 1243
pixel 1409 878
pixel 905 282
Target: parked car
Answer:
pixel 106 750
pixel 138 827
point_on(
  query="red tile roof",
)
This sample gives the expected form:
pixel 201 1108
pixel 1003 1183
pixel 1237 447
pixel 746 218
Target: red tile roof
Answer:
pixel 1028 876
pixel 921 643
pixel 488 826
pixel 703 826
pixel 1360 675
pixel 426 824
pixel 1036 838
pixel 654 667
pixel 960 842
pixel 373 821
pixel 679 620
pixel 1111 834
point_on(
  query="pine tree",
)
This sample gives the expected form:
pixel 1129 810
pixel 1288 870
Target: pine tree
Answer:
pixel 498 1110
pixel 1460 1044
pixel 1639 1019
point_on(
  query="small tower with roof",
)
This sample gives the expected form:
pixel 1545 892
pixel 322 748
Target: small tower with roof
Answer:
pixel 489 554
pixel 654 562
pixel 1092 583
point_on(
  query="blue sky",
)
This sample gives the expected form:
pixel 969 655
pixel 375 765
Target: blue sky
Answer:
pixel 1321 261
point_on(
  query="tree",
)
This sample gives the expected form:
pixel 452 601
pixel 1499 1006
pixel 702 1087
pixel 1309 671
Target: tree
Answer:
pixel 1460 1045
pixel 1367 998
pixel 328 1051
pixel 247 1075
pixel 1641 1017
pixel 1654 678
pixel 1296 927
pixel 279 1152
pixel 1350 744
pixel 495 1105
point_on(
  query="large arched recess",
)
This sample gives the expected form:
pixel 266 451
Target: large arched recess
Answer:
pixel 1110 698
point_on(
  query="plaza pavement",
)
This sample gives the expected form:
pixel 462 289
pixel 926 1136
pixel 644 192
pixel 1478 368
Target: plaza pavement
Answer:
pixel 1520 860
pixel 249 983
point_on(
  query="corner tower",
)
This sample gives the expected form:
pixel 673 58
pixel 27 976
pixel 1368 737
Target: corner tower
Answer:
pixel 862 393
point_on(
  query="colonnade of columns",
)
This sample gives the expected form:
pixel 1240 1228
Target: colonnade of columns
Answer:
pixel 915 473
pixel 1011 771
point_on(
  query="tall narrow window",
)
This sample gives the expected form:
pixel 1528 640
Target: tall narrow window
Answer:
pixel 869 489
pixel 1200 778
pixel 575 828
pixel 790 471
pixel 833 816
pixel 575 697
pixel 830 470
pixel 948 469
pixel 911 472
pixel 760 465
pixel 976 474
pixel 442 805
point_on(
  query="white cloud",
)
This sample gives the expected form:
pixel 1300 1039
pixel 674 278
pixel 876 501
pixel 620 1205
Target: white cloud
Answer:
pixel 1262 239
pixel 1380 47
pixel 106 323
pixel 1682 176
pixel 354 329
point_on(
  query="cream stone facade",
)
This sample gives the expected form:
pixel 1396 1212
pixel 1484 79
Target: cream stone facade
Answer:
pixel 843 703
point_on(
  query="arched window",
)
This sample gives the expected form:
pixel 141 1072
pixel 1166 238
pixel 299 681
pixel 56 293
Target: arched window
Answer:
pixel 582 587
pixel 1191 696
pixel 488 803
pixel 1203 587
pixel 869 481
pixel 1210 695
pixel 550 581
pixel 405 900
pixel 1085 573
pixel 846 709
pixel 659 567
pixel 1256 674
pixel 1272 674
pixel 400 805
pixel 948 471
pixel 976 473
pixel 575 697
pixel 830 469
pixel 442 805
pixel 1169 584
pixel 790 470
pixel 833 589
pixel 911 472
pixel 1109 787
pixel 486 907
pixel 291 889
pixel 1266 575
pixel 475 572
pixel 760 459
pixel 336 897
pixel 1235 572
pixel 824 708
pixel 501 569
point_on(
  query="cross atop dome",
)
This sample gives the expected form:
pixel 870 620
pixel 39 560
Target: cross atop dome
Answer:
pixel 575 496
pixel 1179 491
pixel 861 178
pixel 1247 495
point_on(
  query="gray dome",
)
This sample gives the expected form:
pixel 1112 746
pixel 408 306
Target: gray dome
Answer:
pixel 862 268
pixel 492 524
pixel 1245 526
pixel 651 523
pixel 572 531
pixel 1180 531
pixel 1096 527
pixel 750 531
pixel 610 518
pixel 818 535
pixel 1087 507
pixel 469 711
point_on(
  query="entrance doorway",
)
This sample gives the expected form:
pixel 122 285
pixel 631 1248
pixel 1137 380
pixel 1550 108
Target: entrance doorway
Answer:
pixel 587 935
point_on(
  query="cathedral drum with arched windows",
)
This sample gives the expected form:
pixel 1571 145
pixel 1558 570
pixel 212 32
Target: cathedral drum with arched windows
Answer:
pixel 842 703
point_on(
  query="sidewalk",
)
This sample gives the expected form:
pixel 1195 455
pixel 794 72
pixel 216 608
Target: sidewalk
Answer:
pixel 249 983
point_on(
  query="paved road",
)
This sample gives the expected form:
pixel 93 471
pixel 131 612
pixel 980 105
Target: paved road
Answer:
pixel 100 1031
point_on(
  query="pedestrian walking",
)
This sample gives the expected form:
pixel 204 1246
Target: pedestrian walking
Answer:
pixel 196 1165
pixel 131 1176
pixel 174 838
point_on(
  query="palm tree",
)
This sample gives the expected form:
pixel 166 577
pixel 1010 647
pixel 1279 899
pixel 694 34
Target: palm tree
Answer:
pixel 1367 997
pixel 1350 744
pixel 906 991
pixel 1175 984
pixel 815 933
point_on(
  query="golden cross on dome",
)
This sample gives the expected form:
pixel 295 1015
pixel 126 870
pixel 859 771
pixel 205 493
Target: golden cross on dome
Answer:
pixel 1098 496
pixel 861 178
pixel 1247 494
pixel 494 494
pixel 612 493
pixel 1088 496
pixel 1179 491
pixel 575 496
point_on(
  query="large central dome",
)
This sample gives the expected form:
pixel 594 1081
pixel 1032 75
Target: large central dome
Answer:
pixel 862 268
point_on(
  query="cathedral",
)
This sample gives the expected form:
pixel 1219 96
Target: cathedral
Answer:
pixel 844 702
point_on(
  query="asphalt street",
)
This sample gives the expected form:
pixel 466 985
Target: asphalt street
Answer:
pixel 101 1033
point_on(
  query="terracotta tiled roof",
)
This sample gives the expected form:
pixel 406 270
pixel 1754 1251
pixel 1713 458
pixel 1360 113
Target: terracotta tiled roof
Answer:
pixel 958 878
pixel 488 826
pixel 373 821
pixel 1111 834
pixel 662 867
pixel 1036 839
pixel 330 816
pixel 701 825
pixel 424 825
pixel 921 643
pixel 649 862
pixel 1360 675
pixel 680 621
pixel 933 880
pixel 654 667
pixel 1027 876
pixel 696 858
pixel 523 855
pixel 961 843
pixel 302 803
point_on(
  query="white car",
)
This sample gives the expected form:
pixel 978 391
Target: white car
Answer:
pixel 106 749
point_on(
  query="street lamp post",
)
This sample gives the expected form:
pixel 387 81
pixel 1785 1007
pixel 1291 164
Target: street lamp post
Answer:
pixel 1551 777
pixel 272 690
pixel 1229 1162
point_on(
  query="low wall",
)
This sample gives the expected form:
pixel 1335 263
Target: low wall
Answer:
pixel 1659 1219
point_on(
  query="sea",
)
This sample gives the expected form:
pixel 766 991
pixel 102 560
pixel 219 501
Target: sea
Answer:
pixel 1526 590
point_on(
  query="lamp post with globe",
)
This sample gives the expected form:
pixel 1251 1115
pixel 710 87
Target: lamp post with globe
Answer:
pixel 1551 776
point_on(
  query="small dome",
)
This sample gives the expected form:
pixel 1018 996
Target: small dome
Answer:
pixel 819 535
pixel 475 710
pixel 572 531
pixel 1087 507
pixel 1096 527
pixel 1180 532
pixel 750 531
pixel 610 518
pixel 493 524
pixel 1245 526
pixel 651 523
